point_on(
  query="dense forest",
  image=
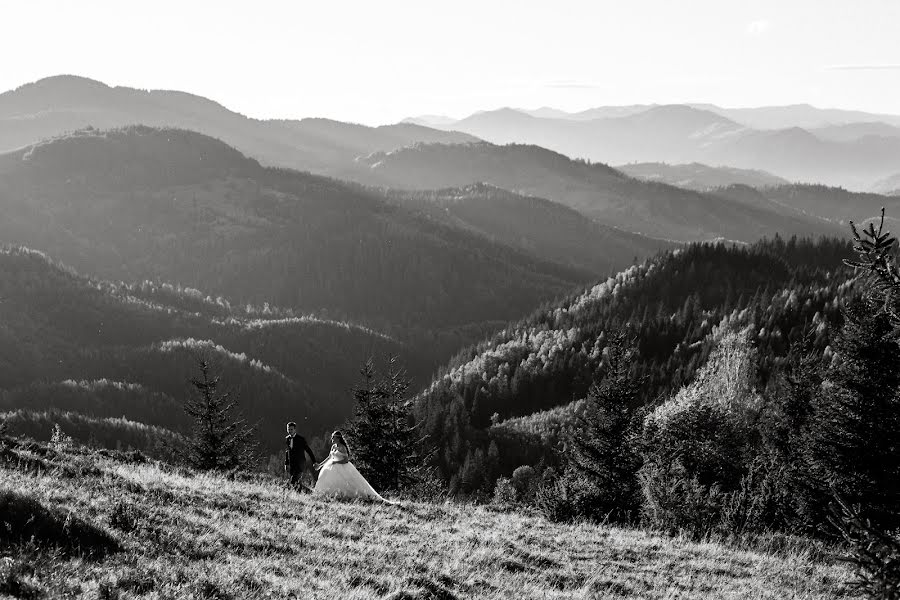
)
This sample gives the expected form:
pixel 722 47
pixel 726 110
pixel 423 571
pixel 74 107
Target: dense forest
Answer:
pixel 174 205
pixel 676 306
pixel 534 225
pixel 110 350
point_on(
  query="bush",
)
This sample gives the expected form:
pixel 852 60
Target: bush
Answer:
pixel 524 480
pixel 505 492
pixel 25 520
pixel 553 499
pixel 676 502
pixel 873 553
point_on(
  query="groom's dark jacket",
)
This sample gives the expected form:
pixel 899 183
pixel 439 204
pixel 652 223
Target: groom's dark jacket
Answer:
pixel 295 453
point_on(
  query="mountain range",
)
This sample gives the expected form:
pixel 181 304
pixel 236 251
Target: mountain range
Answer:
pixel 596 190
pixel 63 104
pixel 319 243
pixel 763 117
pixel 817 147
pixel 142 203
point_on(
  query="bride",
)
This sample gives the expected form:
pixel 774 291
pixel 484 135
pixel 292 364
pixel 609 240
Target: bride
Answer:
pixel 338 476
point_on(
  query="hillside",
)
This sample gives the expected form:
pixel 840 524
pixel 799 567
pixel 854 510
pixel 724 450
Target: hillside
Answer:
pixel 150 530
pixel 142 203
pixel 105 351
pixel 596 190
pixel 534 225
pixel 674 306
pixel 696 176
pixel 833 204
pixel 695 133
pixel 57 105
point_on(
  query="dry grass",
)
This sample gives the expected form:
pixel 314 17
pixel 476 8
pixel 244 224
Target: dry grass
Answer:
pixel 187 536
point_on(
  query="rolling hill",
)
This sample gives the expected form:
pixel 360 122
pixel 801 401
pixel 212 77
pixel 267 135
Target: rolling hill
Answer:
pixel 57 105
pixel 675 306
pixel 833 204
pixel 534 225
pixel 696 176
pixel 143 203
pixel 596 190
pixel 105 350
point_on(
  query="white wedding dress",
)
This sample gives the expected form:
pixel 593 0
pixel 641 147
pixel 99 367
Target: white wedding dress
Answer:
pixel 338 477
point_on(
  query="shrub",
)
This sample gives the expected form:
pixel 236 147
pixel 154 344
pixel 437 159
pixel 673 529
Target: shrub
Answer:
pixel 505 492
pixel 25 520
pixel 873 553
pixel 676 502
pixel 524 481
pixel 553 499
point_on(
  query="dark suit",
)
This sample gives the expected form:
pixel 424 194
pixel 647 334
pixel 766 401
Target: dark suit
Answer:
pixel 295 456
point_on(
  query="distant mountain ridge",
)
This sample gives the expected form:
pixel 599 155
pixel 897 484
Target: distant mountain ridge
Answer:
pixel 762 117
pixel 596 190
pixel 853 154
pixel 56 105
pixel 696 176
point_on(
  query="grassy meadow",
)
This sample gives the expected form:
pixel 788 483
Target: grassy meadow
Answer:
pixel 76 524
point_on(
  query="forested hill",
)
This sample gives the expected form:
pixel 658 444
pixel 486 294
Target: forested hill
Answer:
pixel 534 225
pixel 142 203
pixel 108 350
pixel 675 306
pixel 594 189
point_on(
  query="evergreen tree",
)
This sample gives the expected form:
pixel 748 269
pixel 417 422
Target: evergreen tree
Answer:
pixel 221 440
pixel 385 442
pixel 604 459
pixel 853 441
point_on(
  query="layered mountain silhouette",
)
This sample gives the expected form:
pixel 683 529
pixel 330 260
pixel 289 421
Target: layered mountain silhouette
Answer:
pixel 596 190
pixel 143 203
pixel 832 152
pixel 56 105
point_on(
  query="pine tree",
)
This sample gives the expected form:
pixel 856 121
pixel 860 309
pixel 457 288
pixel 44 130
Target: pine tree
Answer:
pixel 385 442
pixel 854 437
pixel 604 459
pixel 221 440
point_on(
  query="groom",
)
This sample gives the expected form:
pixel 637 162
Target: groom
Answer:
pixel 295 455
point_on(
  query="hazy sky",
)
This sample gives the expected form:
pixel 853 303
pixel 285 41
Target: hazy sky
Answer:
pixel 378 61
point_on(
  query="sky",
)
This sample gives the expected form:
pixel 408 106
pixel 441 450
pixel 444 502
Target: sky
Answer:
pixel 380 61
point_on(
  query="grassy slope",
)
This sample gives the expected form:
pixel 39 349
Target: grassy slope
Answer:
pixel 187 535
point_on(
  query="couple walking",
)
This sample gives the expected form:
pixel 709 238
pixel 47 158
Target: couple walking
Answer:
pixel 336 474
